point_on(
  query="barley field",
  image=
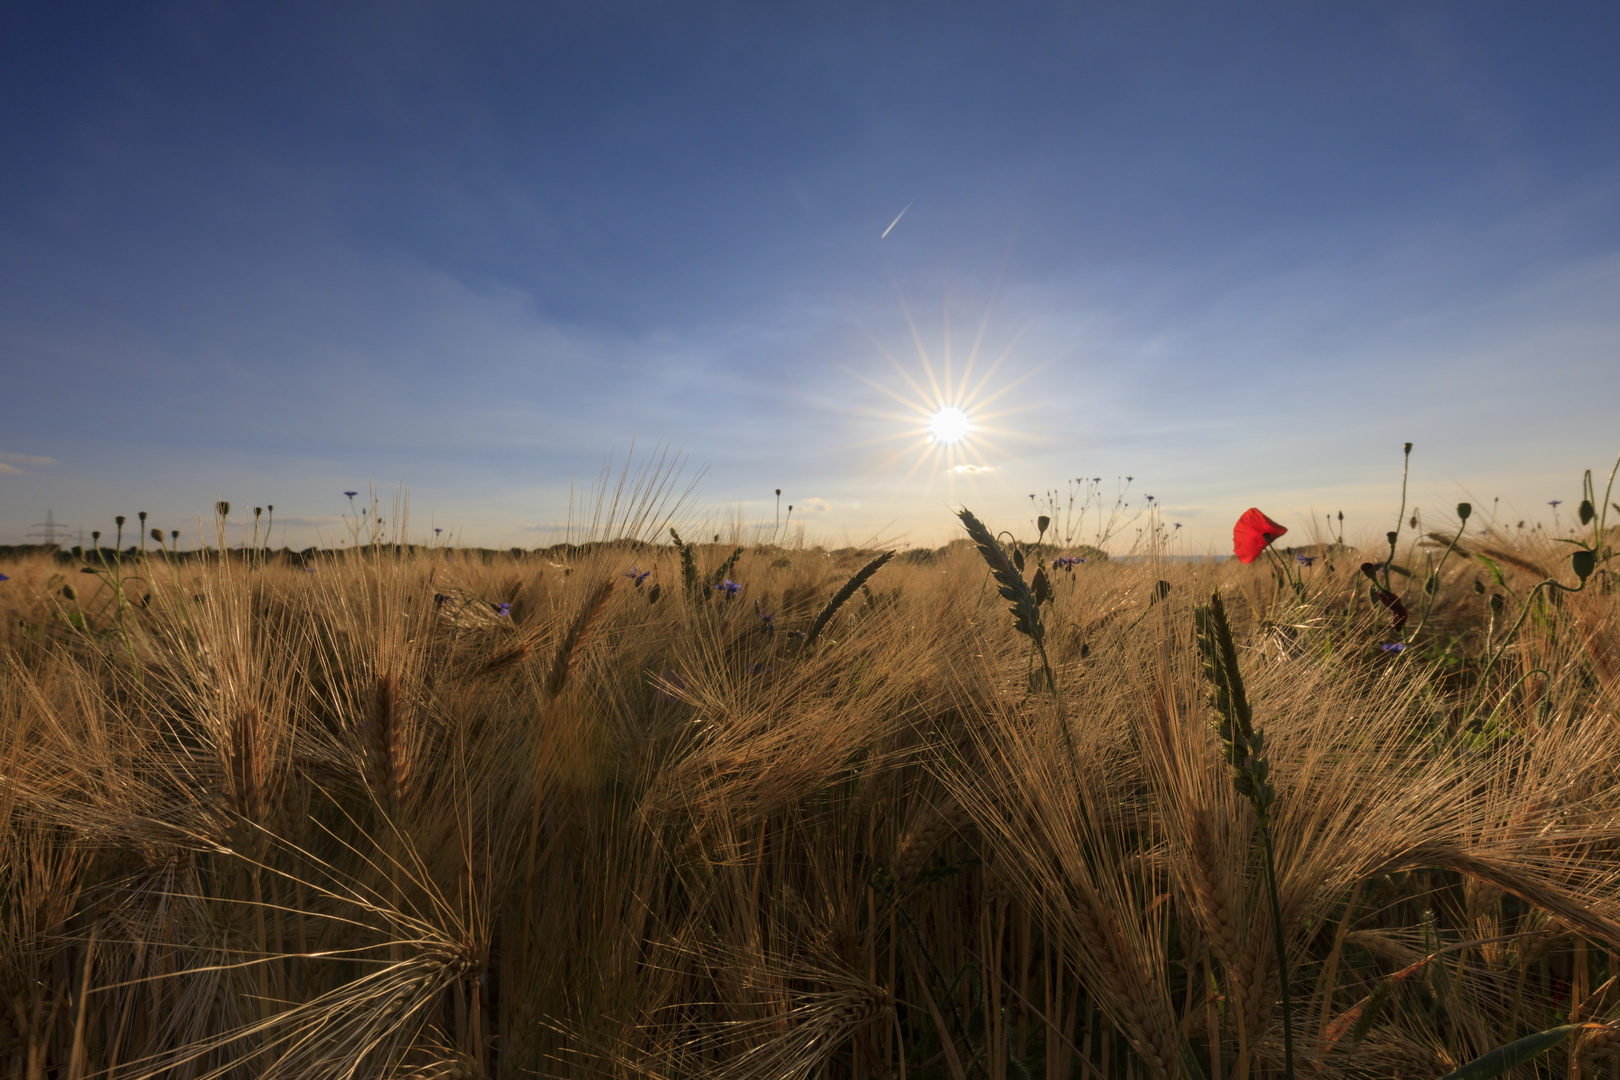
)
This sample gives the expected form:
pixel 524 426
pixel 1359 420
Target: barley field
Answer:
pixel 645 808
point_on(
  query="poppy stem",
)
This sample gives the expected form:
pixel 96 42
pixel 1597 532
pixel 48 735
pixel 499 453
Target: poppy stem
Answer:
pixel 1395 533
pixel 1430 596
pixel 1293 579
pixel 1507 639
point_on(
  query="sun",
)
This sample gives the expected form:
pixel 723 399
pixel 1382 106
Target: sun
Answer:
pixel 949 425
pixel 950 413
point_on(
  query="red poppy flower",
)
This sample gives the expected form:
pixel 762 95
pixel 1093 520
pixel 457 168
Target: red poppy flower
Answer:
pixel 1252 534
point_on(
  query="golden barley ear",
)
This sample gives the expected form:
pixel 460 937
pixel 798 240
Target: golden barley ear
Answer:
pixel 573 642
pixel 247 765
pixel 257 782
pixel 501 662
pixel 926 835
pixel 390 765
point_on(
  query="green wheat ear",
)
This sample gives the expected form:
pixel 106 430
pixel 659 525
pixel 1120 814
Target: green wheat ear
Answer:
pixel 1026 610
pixel 725 570
pixel 842 595
pixel 1010 583
pixel 689 570
pixel 1246 750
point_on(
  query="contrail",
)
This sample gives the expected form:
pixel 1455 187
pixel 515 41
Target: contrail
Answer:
pixel 896 220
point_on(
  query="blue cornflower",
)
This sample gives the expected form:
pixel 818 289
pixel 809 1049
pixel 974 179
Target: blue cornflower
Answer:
pixel 503 609
pixel 351 494
pixel 5 577
pixel 1149 498
pixel 436 532
pixel 1554 503
pixel 637 575
pixel 767 619
pixel 309 569
pixel 1395 646
pixel 729 587
pixel 1305 560
pixel 1178 524
pixel 1066 562
pixel 760 669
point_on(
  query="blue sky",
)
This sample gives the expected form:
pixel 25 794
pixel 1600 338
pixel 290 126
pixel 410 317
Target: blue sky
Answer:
pixel 268 253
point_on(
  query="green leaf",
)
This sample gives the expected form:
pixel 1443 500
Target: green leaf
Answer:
pixel 1514 1054
pixel 1496 571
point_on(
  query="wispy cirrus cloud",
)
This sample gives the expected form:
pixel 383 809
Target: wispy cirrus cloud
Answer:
pixel 9 462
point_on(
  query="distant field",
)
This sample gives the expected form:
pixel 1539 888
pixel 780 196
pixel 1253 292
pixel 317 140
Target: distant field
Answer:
pixel 648 810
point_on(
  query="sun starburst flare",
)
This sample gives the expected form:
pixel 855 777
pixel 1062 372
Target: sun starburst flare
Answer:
pixel 946 417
